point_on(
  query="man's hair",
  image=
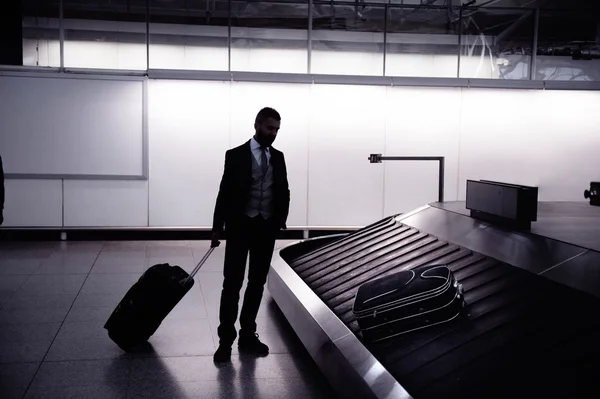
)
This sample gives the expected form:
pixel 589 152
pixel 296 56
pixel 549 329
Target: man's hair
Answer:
pixel 266 113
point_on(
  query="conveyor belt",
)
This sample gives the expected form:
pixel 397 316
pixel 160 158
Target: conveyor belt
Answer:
pixel 522 335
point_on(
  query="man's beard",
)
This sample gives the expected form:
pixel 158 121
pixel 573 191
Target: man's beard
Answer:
pixel 265 141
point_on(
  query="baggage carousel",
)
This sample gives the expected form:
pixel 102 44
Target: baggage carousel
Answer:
pixel 530 328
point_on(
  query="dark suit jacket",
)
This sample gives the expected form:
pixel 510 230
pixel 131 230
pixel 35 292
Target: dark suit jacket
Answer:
pixel 1 186
pixel 234 191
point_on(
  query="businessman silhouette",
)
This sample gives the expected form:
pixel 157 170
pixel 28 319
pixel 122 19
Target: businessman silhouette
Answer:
pixel 253 205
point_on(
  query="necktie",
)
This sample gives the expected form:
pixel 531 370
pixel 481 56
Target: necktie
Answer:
pixel 263 160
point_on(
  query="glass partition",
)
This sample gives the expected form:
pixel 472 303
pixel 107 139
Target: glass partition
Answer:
pixel 347 39
pixel 496 43
pixel 41 35
pixel 568 46
pixel 269 36
pixel 421 42
pixel 190 35
pixel 378 38
pixel 104 35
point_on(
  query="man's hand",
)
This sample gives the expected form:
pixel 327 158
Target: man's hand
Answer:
pixel 215 240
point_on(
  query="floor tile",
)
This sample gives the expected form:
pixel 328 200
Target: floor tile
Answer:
pixel 82 372
pixel 28 252
pixel 125 246
pixel 23 301
pixel 83 247
pixel 174 251
pixel 182 390
pixel 27 332
pixel 100 391
pixel 190 337
pixel 53 284
pixel 120 262
pixel 109 283
pixel 84 341
pixel 214 263
pixel 23 351
pixel 9 285
pixel 26 342
pixel 191 306
pixel 108 299
pixel 15 378
pixel 67 263
pixel 177 369
pixel 98 314
pixel 20 266
pixel 32 315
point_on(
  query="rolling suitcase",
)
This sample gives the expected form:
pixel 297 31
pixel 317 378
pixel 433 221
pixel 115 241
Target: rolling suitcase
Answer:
pixel 407 301
pixel 148 302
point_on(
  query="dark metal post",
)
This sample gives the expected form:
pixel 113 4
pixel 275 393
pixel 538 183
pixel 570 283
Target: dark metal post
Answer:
pixel 147 34
pixel 61 34
pixel 442 173
pixel 378 158
pixel 533 65
pixel 460 13
pixel 309 41
pixel 385 36
pixel 229 36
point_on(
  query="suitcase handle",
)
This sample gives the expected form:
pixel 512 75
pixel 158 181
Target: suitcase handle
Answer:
pixel 199 265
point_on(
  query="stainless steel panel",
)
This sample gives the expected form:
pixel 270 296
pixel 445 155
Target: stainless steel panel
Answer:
pixel 582 272
pixel 530 252
pixel 50 176
pixel 575 223
pixel 350 368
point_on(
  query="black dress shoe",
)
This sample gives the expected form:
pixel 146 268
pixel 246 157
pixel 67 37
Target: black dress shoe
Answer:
pixel 250 344
pixel 223 354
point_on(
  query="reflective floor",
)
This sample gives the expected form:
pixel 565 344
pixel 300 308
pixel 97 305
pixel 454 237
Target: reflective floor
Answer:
pixel 55 298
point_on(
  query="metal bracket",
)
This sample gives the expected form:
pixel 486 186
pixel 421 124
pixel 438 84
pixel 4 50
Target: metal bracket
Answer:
pixel 378 158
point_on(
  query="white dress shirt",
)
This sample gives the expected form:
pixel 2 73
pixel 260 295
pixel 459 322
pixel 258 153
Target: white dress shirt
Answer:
pixel 255 147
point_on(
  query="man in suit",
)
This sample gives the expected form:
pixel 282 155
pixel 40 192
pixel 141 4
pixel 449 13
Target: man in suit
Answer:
pixel 1 192
pixel 252 205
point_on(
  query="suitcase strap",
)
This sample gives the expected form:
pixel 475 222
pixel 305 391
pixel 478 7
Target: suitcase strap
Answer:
pixel 199 265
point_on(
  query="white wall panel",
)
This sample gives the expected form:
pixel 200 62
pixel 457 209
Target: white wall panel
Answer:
pixel 292 102
pixel 189 134
pixel 132 56
pixel 44 53
pixel 347 124
pixel 420 122
pixel 347 62
pixel 500 137
pixel 71 126
pixel 568 143
pixel 421 65
pixel 163 56
pixel 33 203
pixel 268 60
pixel 102 203
pixel 547 139
pixel 90 54
pixel 409 185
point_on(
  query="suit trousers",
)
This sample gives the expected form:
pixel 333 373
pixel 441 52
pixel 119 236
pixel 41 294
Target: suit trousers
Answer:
pixel 256 237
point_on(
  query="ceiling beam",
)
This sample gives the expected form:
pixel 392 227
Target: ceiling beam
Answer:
pixel 515 25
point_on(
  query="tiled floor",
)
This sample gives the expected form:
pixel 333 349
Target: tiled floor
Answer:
pixel 55 298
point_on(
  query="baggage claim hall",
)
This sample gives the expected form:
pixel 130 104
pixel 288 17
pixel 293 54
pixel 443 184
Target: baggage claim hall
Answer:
pixel 300 199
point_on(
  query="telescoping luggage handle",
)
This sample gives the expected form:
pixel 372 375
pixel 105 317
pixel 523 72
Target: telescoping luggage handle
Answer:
pixel 199 265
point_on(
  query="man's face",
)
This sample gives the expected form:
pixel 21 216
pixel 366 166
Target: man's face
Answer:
pixel 266 131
